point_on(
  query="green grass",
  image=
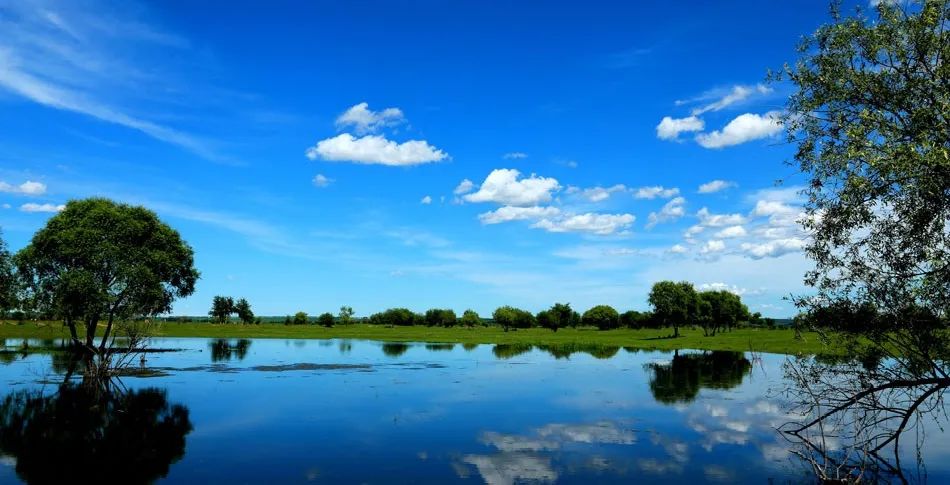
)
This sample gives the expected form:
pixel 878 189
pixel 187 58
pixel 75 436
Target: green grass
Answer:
pixel 781 341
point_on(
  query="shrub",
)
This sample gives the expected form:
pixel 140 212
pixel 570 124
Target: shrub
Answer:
pixel 470 318
pixel 300 318
pixel 396 317
pixel 326 319
pixel 441 318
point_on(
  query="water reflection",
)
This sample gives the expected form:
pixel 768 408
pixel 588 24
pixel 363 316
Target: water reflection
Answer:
pixel 507 351
pixel 92 433
pixel 680 380
pixel 395 349
pixel 564 351
pixel 225 350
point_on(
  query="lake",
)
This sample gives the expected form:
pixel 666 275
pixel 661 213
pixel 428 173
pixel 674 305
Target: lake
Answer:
pixel 340 411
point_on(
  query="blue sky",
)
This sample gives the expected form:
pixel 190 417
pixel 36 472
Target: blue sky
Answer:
pixel 316 154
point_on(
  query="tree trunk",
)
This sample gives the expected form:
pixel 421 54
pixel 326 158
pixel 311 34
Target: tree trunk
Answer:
pixel 105 336
pixel 72 332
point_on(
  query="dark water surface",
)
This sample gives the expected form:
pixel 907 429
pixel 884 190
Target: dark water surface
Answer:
pixel 286 411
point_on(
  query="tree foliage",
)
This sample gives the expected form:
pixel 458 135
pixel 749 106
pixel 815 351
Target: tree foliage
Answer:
pixel 244 312
pixel 399 317
pixel 441 317
pixel 300 318
pixel 222 307
pixel 101 260
pixel 674 304
pixel 720 310
pixel 604 317
pixel 326 319
pixel 470 319
pixel 510 317
pixel 346 315
pixel 7 279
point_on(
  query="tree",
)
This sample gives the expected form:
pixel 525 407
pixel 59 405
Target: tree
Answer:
pixel 720 310
pixel 440 317
pixel 346 315
pixel 470 318
pixel 301 318
pixel 243 310
pixel 674 304
pixel 326 319
pixel 7 279
pixel 394 317
pixel 221 309
pixel 558 316
pixel 604 317
pixel 634 319
pixel 510 317
pixel 98 259
pixel 870 117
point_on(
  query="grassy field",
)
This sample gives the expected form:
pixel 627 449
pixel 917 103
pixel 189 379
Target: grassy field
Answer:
pixel 780 341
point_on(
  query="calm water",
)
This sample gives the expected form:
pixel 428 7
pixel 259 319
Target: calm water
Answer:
pixel 284 411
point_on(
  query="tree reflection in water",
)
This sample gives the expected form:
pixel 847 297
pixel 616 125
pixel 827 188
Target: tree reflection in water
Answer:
pixel 507 351
pixel 94 432
pixel 395 349
pixel 680 380
pixel 564 351
pixel 223 349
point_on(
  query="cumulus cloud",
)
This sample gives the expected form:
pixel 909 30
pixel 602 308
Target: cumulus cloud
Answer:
pixel 709 219
pixel 514 155
pixel 321 180
pixel 713 246
pixel 654 192
pixel 773 248
pixel 670 128
pixel 375 149
pixel 26 188
pixel 507 187
pixel 426 200
pixel 672 210
pixel 744 128
pixel 715 186
pixel 600 224
pixel 598 194
pixel 766 208
pixel 510 213
pixel 464 187
pixel 364 120
pixel 732 232
pixel 32 207
pixel 677 249
pixel 724 287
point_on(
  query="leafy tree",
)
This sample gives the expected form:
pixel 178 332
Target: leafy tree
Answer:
pixel 870 117
pixel 7 279
pixel 634 319
pixel 394 317
pixel 301 318
pixel 440 317
pixel 674 304
pixel 546 319
pixel 243 310
pixel 510 317
pixel 346 315
pixel 604 317
pixel 558 316
pixel 326 319
pixel 98 259
pixel 470 318
pixel 221 309
pixel 720 310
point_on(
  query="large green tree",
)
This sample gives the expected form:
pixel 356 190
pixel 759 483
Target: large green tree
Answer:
pixel 604 317
pixel 100 260
pixel 243 309
pixel 870 117
pixel 7 279
pixel 674 304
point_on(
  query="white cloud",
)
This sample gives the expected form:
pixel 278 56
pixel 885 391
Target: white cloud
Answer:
pixel 31 207
pixel 510 213
pixel 737 94
pixel 375 149
pixel 677 249
pixel 598 194
pixel 426 200
pixel 464 187
pixel 504 187
pixel 600 224
pixel 655 191
pixel 765 208
pixel 6 206
pixel 715 186
pixel 713 246
pixel 743 128
pixel 772 249
pixel 731 232
pixel 709 219
pixel 514 155
pixel 27 188
pixel 321 180
pixel 670 128
pixel 724 287
pixel 672 210
pixel 364 120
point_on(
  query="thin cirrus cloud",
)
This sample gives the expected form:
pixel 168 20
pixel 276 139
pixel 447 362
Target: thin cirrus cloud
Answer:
pixel 514 156
pixel 322 181
pixel 744 128
pixel 736 95
pixel 64 58
pixel 26 188
pixel 511 213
